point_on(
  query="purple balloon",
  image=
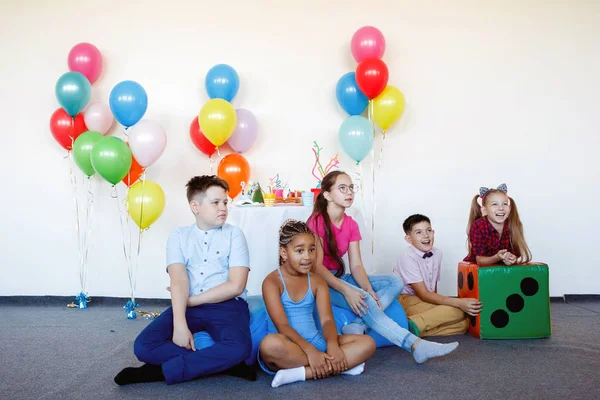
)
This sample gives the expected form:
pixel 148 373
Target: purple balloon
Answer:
pixel 246 130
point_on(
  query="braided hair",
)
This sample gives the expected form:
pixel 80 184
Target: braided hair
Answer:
pixel 290 229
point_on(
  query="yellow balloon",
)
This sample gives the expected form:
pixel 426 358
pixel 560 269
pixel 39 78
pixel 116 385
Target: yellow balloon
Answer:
pixel 388 107
pixel 145 203
pixel 217 121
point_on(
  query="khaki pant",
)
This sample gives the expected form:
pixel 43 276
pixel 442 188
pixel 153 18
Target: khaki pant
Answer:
pixel 432 319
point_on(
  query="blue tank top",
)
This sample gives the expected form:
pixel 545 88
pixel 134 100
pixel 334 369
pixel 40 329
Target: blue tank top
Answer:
pixel 299 314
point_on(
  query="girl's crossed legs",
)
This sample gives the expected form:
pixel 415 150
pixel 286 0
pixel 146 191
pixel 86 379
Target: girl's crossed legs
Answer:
pixel 292 364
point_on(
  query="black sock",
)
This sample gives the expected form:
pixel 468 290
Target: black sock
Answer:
pixel 143 374
pixel 241 371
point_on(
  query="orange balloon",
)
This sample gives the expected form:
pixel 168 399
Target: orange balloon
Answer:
pixel 234 169
pixel 135 172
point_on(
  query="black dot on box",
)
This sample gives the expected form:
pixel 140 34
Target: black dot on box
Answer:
pixel 529 286
pixel 515 303
pixel 470 281
pixel 460 280
pixel 499 318
pixel 473 320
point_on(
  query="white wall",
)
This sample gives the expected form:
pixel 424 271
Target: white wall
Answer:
pixel 497 91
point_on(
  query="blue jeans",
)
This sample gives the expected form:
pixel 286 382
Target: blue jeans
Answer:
pixel 387 288
pixel 227 323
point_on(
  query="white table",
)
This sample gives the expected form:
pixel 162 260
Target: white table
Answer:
pixel 261 228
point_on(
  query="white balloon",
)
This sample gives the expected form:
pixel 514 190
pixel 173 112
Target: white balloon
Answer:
pixel 98 118
pixel 147 140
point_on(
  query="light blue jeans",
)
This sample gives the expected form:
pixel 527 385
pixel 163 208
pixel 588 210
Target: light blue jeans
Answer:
pixel 387 288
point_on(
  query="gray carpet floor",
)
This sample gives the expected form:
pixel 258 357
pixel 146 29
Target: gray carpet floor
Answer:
pixel 51 352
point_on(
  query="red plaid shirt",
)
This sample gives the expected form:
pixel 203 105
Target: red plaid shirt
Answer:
pixel 485 241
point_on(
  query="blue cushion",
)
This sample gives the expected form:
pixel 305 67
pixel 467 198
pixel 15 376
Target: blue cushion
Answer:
pixel 258 328
pixel 258 325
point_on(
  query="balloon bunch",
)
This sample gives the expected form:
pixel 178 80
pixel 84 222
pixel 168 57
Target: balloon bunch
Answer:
pixel 218 123
pixel 73 91
pixel 118 161
pixel 81 133
pixel 367 87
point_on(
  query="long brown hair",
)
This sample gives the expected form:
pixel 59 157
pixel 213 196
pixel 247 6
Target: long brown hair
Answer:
pixel 515 225
pixel 320 209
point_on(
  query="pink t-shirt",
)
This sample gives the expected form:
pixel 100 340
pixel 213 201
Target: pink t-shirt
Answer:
pixel 344 235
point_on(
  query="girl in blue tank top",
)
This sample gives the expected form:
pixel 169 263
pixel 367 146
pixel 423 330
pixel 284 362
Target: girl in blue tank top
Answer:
pixel 295 349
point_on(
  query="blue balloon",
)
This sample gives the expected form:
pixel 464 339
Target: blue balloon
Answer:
pixel 356 136
pixel 351 99
pixel 128 102
pixel 222 82
pixel 73 91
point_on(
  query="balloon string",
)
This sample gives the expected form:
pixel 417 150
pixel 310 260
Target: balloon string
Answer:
pixel 88 230
pixel 374 204
pixel 77 214
pixel 381 150
pixel 137 262
pixel 134 268
pixel 358 179
pixel 115 195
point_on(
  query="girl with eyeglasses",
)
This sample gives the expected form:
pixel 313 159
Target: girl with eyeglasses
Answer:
pixel 367 296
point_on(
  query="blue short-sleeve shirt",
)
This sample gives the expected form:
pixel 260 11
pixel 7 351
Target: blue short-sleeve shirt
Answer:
pixel 208 255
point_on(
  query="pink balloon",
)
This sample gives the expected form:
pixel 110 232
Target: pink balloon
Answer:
pixel 86 59
pixel 98 117
pixel 367 42
pixel 246 130
pixel 147 140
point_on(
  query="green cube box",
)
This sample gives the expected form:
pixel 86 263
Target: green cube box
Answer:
pixel 516 300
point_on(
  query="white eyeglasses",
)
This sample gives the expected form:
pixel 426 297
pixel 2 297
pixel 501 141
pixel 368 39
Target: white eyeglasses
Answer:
pixel 344 188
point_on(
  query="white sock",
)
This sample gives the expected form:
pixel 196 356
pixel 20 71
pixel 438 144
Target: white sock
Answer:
pixel 356 370
pixel 426 350
pixel 291 375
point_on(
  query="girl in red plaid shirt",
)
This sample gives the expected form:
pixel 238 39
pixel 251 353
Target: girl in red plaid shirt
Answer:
pixel 495 229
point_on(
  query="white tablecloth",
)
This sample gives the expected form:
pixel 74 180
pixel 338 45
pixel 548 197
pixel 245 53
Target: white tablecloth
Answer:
pixel 261 228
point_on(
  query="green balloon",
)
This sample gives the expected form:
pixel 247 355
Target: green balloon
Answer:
pixel 111 159
pixel 82 149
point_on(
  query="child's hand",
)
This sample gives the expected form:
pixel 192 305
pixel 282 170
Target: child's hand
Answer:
pixel 320 364
pixel 338 359
pixel 182 337
pixel 509 258
pixel 501 254
pixel 374 295
pixel 470 306
pixel 354 298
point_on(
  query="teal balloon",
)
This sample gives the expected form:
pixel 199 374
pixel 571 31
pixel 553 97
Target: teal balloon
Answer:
pixel 73 92
pixel 82 150
pixel 111 159
pixel 356 136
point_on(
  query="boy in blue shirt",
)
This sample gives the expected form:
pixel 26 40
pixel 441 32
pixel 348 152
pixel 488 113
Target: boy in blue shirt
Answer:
pixel 208 265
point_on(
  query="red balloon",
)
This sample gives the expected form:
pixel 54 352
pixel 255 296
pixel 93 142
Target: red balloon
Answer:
pixel 200 141
pixel 135 172
pixel 234 168
pixel 372 77
pixel 65 128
